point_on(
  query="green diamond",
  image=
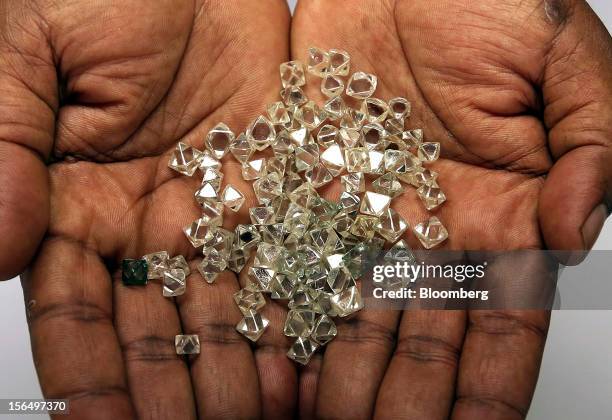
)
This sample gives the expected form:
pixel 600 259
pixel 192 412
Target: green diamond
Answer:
pixel 134 272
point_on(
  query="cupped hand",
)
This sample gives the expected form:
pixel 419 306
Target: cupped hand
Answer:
pixel 519 93
pixel 102 91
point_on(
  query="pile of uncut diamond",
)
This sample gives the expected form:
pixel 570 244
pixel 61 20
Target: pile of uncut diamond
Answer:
pixel 308 250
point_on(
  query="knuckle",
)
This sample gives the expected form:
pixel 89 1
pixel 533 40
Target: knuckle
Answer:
pixel 360 330
pixel 149 348
pixel 427 348
pixel 508 323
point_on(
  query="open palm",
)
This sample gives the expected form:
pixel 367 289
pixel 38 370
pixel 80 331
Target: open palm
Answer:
pixel 135 78
pixel 487 79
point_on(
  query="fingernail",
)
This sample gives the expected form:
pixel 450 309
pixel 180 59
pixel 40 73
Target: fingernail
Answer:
pixel 593 225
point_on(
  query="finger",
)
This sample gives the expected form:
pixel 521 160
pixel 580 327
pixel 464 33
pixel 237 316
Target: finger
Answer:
pixel 75 346
pixel 577 88
pixel 158 378
pixel 309 378
pixel 278 380
pixel 28 102
pixel 224 376
pixel 499 364
pixel 428 349
pixel 354 364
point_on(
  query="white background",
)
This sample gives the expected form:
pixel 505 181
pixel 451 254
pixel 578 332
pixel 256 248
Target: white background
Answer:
pixel 575 380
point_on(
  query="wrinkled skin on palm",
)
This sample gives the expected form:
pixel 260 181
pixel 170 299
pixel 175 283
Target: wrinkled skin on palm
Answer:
pixel 96 96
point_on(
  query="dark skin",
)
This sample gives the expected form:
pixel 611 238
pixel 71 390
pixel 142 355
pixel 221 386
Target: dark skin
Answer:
pixel 96 95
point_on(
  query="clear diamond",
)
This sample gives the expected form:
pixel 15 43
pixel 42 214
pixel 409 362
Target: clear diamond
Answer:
pixel 310 115
pixel 400 252
pixel 391 225
pixel 260 133
pixel 207 193
pixel 302 350
pixel 347 302
pixel 157 264
pixel 429 152
pixel 361 85
pixel 184 159
pixel 268 188
pixel 187 344
pixel 174 283
pixel 328 135
pixel 423 176
pixel 179 262
pixel 282 287
pixel 241 149
pixel 353 183
pixel 293 96
pixel 375 204
pixel 324 330
pixel 431 196
pixel 431 232
pixel 333 159
pixel 253 325
pixel 413 138
pixel 388 184
pixel 399 108
pixel 196 231
pixel 262 215
pixel 212 213
pixel 306 156
pixel 278 113
pixel 292 74
pixel 219 139
pixel 334 108
pixel 318 61
pixel 339 62
pixel 377 162
pixel 213 177
pixel 332 86
pixel 254 169
pixel 373 135
pixel 357 159
pixel 318 175
pixel 299 323
pixel 350 137
pixel 260 278
pixel 364 226
pixel 207 160
pixel 248 300
pixel 232 198
pixel 212 265
pixel 350 202
pixel 375 110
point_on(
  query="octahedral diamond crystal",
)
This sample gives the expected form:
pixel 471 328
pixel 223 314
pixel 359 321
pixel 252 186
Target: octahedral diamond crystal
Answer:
pixel 399 108
pixel 219 139
pixel 318 175
pixel 347 302
pixel 332 86
pixel 207 160
pixel 157 264
pixel 302 350
pixel 333 159
pixel 388 184
pixel 293 96
pixel 179 262
pixel 207 193
pixel 196 231
pixel 391 225
pixel 254 169
pixel 357 159
pixel 364 226
pixel 310 115
pixel 375 204
pixel 232 198
pixel 429 152
pixel 241 149
pixel 260 133
pixel 318 61
pixel 431 196
pixel 299 323
pixel 339 62
pixel 353 183
pixel 213 264
pixel 292 73
pixel 187 344
pixel 213 177
pixel 184 159
pixel 361 85
pixel 174 283
pixel 413 138
pixel 324 330
pixel 334 108
pixel 268 188
pixel 278 113
pixel 253 325
pixel 431 232
pixel 328 135
pixel 249 300
pixel 375 110
pixel 401 252
pixel 350 137
pixel 134 272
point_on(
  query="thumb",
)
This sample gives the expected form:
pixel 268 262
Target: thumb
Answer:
pixel 577 89
pixel 28 101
